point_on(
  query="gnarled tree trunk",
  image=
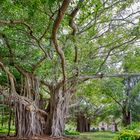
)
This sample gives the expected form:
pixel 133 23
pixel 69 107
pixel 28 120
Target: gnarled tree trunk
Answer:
pixel 57 112
pixel 29 120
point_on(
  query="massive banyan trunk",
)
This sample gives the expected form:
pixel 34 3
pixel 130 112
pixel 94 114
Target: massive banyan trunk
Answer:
pixel 29 120
pixel 25 97
pixel 83 123
pixel 57 112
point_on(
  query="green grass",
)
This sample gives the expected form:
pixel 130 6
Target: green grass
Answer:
pixel 97 136
pixel 4 129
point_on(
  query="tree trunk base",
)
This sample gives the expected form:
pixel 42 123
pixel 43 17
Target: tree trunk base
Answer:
pixel 28 121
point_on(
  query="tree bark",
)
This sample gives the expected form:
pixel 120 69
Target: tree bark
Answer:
pixel 83 123
pixel 57 111
pixel 29 118
pixel 29 121
pixel 116 127
pixel 126 120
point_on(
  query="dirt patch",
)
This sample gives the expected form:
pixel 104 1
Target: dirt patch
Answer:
pixel 37 138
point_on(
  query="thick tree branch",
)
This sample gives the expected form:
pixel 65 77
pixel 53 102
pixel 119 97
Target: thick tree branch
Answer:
pixel 74 28
pixel 97 76
pixel 46 84
pixel 71 22
pixel 21 70
pixel 56 25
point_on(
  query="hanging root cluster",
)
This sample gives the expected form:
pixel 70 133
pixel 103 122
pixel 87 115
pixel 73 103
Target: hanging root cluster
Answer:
pixel 30 120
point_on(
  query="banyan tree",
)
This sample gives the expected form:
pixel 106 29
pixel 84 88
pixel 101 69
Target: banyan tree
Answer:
pixel 57 44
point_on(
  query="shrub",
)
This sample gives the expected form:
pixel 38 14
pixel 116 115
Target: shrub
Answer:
pixel 71 132
pixel 127 135
pixel 134 126
pixel 94 130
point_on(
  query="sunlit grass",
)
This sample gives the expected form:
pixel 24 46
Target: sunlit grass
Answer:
pixel 4 129
pixel 97 136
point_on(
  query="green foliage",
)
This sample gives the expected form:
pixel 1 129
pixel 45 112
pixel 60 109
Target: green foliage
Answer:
pixel 3 78
pixel 97 136
pixel 134 126
pixel 113 87
pixel 71 132
pixel 130 58
pixel 5 130
pixel 136 30
pixel 128 135
pixel 94 130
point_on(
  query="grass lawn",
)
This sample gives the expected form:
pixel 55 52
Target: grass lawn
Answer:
pixel 4 129
pixel 97 136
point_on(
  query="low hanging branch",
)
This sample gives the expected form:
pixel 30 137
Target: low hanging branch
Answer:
pixel 54 35
pixel 97 76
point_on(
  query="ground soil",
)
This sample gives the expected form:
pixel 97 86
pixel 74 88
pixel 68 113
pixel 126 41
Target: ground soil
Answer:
pixel 2 137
